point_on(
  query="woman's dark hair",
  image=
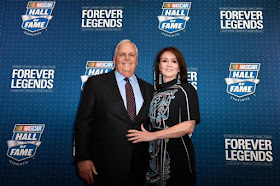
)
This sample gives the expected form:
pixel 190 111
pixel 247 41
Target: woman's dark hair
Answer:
pixel 181 61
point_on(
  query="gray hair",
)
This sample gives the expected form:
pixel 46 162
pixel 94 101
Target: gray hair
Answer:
pixel 125 41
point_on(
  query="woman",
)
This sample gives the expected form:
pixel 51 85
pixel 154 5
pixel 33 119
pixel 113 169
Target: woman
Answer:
pixel 174 112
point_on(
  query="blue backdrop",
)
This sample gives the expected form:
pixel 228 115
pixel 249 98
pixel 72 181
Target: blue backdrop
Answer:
pixel 45 49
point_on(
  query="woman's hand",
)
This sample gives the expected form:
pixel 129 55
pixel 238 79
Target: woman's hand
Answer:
pixel 140 136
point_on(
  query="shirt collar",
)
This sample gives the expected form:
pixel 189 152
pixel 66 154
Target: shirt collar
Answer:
pixel 120 77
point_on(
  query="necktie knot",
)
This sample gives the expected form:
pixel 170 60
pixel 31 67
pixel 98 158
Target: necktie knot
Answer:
pixel 126 79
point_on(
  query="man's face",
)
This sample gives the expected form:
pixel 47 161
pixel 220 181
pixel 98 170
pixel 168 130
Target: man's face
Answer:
pixel 126 59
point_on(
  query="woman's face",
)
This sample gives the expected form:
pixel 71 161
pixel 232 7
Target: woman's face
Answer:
pixel 168 66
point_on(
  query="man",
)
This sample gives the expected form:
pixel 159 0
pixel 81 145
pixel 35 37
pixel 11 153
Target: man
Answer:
pixel 107 110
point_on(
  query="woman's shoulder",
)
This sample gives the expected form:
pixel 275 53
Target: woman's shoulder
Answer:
pixel 188 87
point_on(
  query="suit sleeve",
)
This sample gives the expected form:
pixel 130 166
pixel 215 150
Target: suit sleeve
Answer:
pixel 150 93
pixel 84 118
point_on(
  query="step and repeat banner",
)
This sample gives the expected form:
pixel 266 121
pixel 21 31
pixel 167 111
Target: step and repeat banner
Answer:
pixel 50 48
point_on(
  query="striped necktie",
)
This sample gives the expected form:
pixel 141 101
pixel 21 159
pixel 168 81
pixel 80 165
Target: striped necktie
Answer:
pixel 130 100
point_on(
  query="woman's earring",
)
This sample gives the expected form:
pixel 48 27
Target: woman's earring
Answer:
pixel 159 78
pixel 178 78
pixel 154 78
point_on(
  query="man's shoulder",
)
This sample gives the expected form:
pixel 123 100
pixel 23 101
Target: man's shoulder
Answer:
pixel 144 82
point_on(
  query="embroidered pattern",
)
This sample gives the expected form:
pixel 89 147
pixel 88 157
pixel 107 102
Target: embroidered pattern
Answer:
pixel 160 161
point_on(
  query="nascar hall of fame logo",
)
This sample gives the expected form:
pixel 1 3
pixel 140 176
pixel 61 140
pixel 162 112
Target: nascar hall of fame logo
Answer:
pixel 24 142
pixel 242 80
pixel 174 17
pixel 94 68
pixel 37 16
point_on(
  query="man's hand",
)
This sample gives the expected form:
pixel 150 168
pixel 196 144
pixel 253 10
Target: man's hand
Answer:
pixel 86 168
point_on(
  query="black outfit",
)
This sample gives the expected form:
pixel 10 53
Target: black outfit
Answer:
pixel 100 132
pixel 172 161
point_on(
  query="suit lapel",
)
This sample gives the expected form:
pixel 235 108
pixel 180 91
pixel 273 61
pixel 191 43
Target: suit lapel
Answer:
pixel 116 92
pixel 142 89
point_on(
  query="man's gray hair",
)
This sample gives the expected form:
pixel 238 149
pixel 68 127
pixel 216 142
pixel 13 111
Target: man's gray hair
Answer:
pixel 125 41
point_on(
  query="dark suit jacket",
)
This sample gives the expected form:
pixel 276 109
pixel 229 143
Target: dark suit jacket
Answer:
pixel 101 127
